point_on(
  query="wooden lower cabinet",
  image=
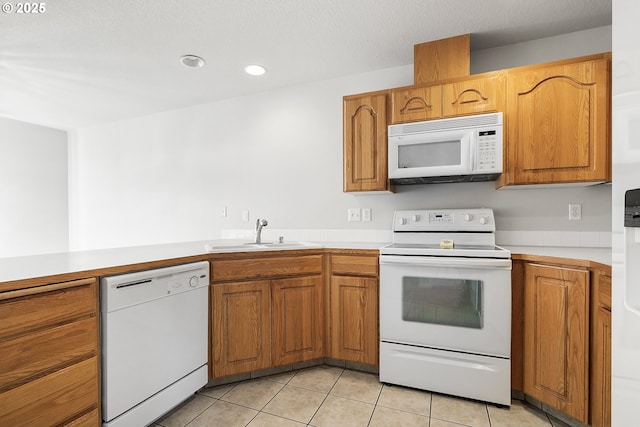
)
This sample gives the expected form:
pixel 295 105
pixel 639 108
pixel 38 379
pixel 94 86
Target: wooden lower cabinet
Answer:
pixel 266 311
pixel 49 355
pixel 556 344
pixel 241 327
pixel 354 319
pixel 296 313
pixel 266 323
pixel 297 320
pixel 353 293
pixel 601 352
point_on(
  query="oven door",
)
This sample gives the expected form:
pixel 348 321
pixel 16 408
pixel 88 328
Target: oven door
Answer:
pixel 461 304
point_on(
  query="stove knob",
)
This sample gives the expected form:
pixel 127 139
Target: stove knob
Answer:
pixel 468 217
pixel 484 220
pixel 416 218
pixel 402 221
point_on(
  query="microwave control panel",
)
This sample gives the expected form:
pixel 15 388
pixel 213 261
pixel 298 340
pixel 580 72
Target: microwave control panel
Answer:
pixel 487 150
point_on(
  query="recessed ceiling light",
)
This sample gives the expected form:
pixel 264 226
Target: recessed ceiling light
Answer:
pixel 192 61
pixel 255 70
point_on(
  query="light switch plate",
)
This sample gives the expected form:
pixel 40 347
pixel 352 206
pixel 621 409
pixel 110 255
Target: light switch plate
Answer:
pixel 245 215
pixel 366 214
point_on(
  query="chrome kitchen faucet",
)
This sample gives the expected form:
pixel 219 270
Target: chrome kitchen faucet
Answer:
pixel 259 224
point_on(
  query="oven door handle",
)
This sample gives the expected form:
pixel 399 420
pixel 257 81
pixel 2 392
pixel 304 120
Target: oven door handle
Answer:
pixel 417 261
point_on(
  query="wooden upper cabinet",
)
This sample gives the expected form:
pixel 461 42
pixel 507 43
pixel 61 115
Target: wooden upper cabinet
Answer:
pixel 474 96
pixel 556 344
pixel 558 124
pixel 415 104
pixel 441 59
pixel 365 142
pixel 459 97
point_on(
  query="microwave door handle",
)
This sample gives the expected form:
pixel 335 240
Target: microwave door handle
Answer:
pixel 426 261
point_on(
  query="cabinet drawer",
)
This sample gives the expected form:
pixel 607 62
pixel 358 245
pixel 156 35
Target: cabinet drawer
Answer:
pixel 604 291
pixel 349 265
pixel 31 355
pixel 36 308
pixel 52 400
pixel 261 268
pixel 410 105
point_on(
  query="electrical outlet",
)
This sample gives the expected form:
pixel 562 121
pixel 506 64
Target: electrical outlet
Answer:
pixel 575 212
pixel 245 215
pixel 366 214
pixel 353 214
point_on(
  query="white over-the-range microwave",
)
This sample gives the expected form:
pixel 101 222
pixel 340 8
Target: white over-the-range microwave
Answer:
pixel 459 149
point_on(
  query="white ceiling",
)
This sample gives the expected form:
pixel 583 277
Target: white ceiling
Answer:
pixel 82 63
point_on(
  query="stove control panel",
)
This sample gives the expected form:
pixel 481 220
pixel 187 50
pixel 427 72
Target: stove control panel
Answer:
pixel 438 220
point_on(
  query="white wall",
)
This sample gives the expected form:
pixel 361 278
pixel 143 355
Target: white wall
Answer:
pixel 34 194
pixel 579 43
pixel 278 154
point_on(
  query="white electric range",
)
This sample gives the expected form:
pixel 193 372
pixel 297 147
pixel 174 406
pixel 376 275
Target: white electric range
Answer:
pixel 445 305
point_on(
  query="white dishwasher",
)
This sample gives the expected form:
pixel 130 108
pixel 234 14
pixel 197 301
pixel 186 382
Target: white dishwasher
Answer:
pixel 154 341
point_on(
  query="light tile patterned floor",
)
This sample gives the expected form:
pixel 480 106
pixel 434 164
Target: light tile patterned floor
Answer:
pixel 329 396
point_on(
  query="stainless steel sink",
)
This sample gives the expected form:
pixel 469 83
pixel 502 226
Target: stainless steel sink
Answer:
pixel 252 246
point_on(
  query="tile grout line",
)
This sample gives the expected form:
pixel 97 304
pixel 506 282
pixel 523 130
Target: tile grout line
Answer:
pixel 375 405
pixel 326 396
pixel 430 406
pixel 261 411
pixel 204 410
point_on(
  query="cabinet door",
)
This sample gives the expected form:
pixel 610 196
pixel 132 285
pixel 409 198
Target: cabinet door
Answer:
pixel 556 343
pixel 558 124
pixel 365 143
pixel 297 320
pixel 601 381
pixel 241 331
pixel 354 319
pixel 412 105
pixel 475 96
pixel 601 350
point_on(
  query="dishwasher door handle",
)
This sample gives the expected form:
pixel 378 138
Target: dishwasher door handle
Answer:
pixel 139 282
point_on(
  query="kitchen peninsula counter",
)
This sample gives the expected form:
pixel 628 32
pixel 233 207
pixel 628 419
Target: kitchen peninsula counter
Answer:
pixel 81 264
pixel 92 263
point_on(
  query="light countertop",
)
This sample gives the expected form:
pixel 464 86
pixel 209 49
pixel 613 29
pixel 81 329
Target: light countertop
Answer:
pixel 27 267
pixel 599 255
pixel 32 266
